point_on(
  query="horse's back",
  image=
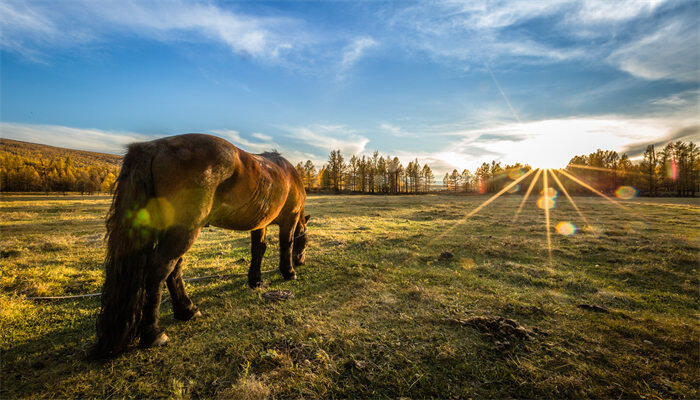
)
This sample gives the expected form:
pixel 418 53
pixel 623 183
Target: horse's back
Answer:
pixel 201 179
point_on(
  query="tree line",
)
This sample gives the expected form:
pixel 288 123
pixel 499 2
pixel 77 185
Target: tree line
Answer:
pixel 367 174
pixel 672 170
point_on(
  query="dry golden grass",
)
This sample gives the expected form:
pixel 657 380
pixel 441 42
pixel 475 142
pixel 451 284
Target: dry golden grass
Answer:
pixel 374 308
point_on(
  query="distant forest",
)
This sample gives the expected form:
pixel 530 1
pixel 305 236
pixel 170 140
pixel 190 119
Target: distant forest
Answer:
pixel 670 171
pixel 30 167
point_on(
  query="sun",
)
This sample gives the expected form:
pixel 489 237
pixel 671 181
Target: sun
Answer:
pixel 549 164
pixel 543 152
pixel 548 160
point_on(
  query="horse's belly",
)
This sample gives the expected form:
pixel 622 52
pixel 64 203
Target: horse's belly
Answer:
pixel 245 218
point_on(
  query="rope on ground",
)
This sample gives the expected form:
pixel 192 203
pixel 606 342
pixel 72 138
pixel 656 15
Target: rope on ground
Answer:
pixel 195 279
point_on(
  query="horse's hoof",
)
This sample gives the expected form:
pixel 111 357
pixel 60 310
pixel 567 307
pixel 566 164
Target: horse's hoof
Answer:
pixel 161 340
pixel 290 277
pixel 187 315
pixel 254 285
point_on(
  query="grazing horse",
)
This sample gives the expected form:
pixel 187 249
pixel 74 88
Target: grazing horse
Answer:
pixel 168 189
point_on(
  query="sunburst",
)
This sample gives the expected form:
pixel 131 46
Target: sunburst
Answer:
pixel 547 200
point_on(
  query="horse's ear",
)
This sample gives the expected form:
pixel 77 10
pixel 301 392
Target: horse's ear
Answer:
pixel 306 218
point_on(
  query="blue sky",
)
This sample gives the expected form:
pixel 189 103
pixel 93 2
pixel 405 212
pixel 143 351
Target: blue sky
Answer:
pixel 452 83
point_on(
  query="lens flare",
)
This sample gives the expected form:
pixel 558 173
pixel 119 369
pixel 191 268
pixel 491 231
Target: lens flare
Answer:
pixel 566 228
pixel 626 192
pixel 551 193
pixel 142 218
pixel 514 189
pixel 673 171
pixel 546 203
pixel 516 173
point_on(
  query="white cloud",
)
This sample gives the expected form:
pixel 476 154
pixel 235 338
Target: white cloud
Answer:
pixel 671 52
pixel 683 99
pixel 352 53
pixel 593 12
pixel 395 130
pixel 33 27
pixel 267 144
pixel 262 136
pixel 470 33
pixel 330 137
pixel 73 138
pixel 254 147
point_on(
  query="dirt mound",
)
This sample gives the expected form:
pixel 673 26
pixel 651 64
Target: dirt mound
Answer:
pixel 593 308
pixel 503 332
pixel 277 295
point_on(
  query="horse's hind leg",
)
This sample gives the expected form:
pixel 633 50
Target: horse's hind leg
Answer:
pixel 172 245
pixel 183 308
pixel 257 251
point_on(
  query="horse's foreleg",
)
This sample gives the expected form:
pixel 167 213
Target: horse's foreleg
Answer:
pixel 286 240
pixel 170 248
pixel 257 251
pixel 183 308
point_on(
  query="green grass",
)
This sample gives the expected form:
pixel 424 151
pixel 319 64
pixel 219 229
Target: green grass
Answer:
pixel 374 308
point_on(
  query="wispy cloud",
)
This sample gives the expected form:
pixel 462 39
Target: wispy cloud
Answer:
pixel 248 145
pixel 396 130
pixel 667 53
pixel 266 143
pixel 686 133
pixel 467 33
pixel 683 99
pixel 330 137
pixel 352 53
pixel 30 28
pixel 262 136
pixel 75 138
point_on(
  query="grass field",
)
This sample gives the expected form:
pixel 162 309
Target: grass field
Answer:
pixel 377 312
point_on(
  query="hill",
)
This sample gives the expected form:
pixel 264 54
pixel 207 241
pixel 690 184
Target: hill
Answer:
pixel 36 167
pixel 80 157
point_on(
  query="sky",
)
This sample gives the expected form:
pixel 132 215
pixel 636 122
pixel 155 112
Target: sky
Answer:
pixel 452 83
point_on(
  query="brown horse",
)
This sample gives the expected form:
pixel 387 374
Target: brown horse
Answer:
pixel 168 189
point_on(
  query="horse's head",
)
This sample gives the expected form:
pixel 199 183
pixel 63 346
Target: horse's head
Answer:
pixel 300 241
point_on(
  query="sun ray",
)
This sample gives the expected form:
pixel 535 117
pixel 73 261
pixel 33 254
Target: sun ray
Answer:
pixel 566 193
pixel 592 189
pixel 527 194
pixel 688 207
pixel 547 202
pixel 504 173
pixel 484 204
pixel 601 169
pixel 497 195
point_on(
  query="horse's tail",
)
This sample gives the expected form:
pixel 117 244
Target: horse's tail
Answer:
pixel 130 244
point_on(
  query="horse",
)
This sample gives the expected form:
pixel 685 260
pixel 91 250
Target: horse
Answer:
pixel 167 191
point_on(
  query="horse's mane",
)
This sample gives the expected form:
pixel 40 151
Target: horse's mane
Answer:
pixel 274 156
